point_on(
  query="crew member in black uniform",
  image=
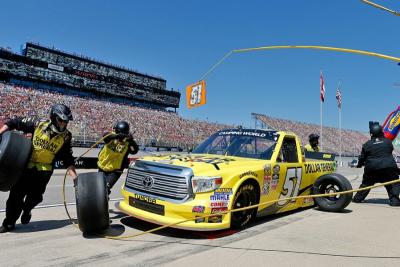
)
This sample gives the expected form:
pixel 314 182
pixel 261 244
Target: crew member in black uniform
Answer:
pixel 50 140
pixel 380 167
pixel 114 154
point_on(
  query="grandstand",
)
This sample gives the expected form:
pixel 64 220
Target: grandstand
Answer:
pixel 93 117
pixel 352 141
pixel 43 67
pixel 99 94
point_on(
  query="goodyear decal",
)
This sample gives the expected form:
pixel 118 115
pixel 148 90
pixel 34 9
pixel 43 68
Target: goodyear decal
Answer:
pixel 248 173
pixel 319 167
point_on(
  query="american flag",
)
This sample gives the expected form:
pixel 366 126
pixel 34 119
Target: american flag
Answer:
pixel 339 98
pixel 322 84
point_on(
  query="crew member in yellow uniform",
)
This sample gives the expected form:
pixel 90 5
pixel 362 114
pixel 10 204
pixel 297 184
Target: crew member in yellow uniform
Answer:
pixel 114 154
pixel 50 140
pixel 313 140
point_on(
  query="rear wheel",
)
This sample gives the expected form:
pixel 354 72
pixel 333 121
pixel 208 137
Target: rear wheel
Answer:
pixel 332 183
pixel 92 202
pixel 247 195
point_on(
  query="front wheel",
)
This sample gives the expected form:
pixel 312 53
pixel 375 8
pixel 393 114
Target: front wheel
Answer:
pixel 332 183
pixel 92 202
pixel 244 197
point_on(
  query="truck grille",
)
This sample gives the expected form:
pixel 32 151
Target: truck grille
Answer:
pixel 159 180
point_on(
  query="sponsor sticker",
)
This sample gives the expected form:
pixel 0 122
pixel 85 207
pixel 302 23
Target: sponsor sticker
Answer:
pixel 267 169
pixel 248 173
pixel 145 198
pixel 215 219
pixel 274 181
pixel 223 190
pixel 199 219
pixel 219 204
pixel 277 168
pixel 266 184
pixel 198 209
pixel 218 210
pixel 219 197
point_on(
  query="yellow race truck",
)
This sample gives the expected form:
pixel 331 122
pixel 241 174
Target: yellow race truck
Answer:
pixel 232 169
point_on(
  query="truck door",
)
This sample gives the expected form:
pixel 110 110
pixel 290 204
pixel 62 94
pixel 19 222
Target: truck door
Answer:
pixel 290 172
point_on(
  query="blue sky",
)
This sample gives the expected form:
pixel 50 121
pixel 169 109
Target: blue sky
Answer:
pixel 181 40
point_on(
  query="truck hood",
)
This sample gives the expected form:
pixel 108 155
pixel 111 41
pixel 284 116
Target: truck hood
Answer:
pixel 205 164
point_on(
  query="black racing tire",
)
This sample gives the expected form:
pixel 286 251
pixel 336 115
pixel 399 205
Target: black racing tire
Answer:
pixel 331 183
pixel 246 195
pixel 92 202
pixel 15 151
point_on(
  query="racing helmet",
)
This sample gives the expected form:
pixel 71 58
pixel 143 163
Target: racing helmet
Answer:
pixel 313 139
pixel 121 127
pixel 60 115
pixel 375 130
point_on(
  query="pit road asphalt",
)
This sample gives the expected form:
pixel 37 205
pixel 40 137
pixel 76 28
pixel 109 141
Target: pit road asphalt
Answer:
pixel 364 234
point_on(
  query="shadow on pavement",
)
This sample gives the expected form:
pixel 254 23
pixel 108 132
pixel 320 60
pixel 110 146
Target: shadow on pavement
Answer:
pixel 377 201
pixel 38 226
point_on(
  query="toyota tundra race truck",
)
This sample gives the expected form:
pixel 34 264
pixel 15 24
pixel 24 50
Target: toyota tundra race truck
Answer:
pixel 232 169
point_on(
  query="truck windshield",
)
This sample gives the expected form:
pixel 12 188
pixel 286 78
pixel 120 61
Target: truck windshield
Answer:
pixel 240 143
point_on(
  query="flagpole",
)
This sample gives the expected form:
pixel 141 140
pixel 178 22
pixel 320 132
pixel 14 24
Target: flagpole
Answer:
pixel 320 130
pixel 340 135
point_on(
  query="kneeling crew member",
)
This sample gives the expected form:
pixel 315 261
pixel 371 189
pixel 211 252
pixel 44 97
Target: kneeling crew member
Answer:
pixel 380 167
pixel 50 140
pixel 313 140
pixel 114 154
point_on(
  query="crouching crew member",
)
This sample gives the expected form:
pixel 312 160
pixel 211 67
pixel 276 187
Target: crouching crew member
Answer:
pixel 50 140
pixel 114 154
pixel 380 167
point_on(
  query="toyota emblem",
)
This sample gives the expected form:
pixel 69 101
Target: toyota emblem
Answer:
pixel 147 182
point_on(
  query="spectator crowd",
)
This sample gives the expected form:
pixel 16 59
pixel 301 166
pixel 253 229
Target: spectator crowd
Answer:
pixel 351 140
pixel 93 117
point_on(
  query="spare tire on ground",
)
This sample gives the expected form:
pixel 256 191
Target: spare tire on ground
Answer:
pixel 332 183
pixel 92 202
pixel 15 151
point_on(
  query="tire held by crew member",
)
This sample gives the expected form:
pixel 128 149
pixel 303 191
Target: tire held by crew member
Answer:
pixel 92 202
pixel 15 151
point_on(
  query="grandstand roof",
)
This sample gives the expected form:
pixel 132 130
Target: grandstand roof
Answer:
pixel 90 60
